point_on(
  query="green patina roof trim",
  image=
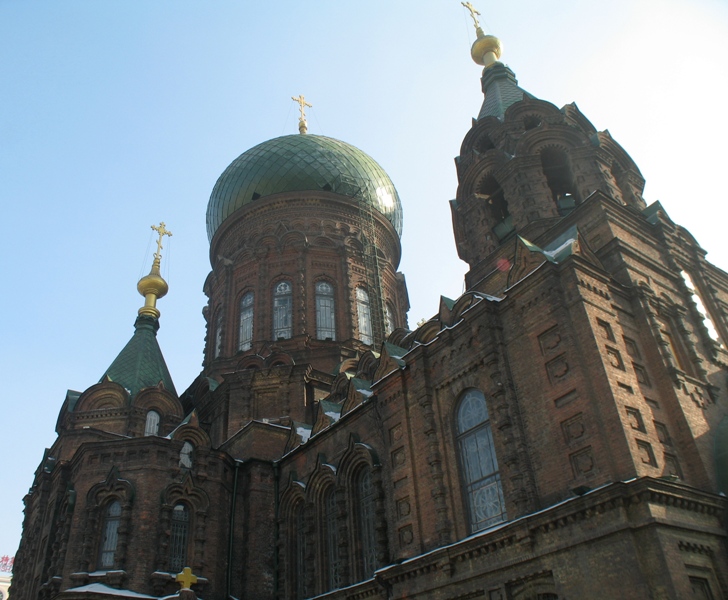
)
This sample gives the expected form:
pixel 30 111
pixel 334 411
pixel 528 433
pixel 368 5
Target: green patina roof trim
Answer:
pixel 302 163
pixel 651 211
pixel 140 364
pixel 449 302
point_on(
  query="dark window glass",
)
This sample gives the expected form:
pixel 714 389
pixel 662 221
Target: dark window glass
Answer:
pixel 179 531
pixel 245 336
pixel 365 518
pixel 479 466
pixel 325 326
pixel 110 540
pixel 283 310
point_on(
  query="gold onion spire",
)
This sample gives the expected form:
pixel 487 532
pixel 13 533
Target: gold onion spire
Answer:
pixel 153 286
pixel 302 104
pixel 486 49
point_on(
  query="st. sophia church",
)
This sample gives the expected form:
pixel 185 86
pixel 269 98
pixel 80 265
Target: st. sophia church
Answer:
pixel 558 432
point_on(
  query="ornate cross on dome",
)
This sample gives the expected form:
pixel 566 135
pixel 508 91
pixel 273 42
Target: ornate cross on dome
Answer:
pixel 302 124
pixel 473 12
pixel 162 231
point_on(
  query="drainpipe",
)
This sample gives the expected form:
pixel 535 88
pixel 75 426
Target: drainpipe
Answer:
pixel 276 474
pixel 231 528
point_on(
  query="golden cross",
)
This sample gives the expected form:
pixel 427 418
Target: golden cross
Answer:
pixel 186 578
pixel 162 231
pixel 301 104
pixel 473 12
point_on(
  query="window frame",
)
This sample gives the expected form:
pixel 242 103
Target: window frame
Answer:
pixel 246 321
pixel 364 315
pixel 282 320
pixel 325 314
pixel 474 442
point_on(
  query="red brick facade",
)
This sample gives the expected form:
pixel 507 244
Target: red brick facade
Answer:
pixel 551 434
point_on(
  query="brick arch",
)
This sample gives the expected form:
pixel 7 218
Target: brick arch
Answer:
pixel 193 434
pixel 472 180
pixel 160 400
pixel 323 476
pixel 107 394
pixel 428 332
pixel 532 106
pixel 561 137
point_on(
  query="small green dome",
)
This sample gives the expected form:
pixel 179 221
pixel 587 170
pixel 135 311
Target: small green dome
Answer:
pixel 297 163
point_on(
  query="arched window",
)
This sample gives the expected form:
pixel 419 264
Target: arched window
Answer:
pixel 479 467
pixel 151 427
pixel 330 532
pixel 365 522
pixel 217 350
pixel 186 456
pixel 110 536
pixel 283 310
pixel 388 319
pixel 325 326
pixel 365 316
pixel 245 336
pixel 179 533
pixel 299 551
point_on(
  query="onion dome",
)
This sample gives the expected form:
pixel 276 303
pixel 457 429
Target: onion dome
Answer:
pixel 298 163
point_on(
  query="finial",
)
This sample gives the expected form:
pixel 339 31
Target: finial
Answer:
pixel 153 286
pixel 186 578
pixel 302 124
pixel 486 49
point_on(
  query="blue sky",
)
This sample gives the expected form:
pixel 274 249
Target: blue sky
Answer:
pixel 115 115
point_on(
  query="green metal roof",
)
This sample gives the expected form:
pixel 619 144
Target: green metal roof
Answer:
pixel 302 163
pixel 501 90
pixel 141 364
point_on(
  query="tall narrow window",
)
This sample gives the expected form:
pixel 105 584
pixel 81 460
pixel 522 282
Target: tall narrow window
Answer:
pixel 110 540
pixel 479 466
pixel 299 551
pixel 388 319
pixel 283 310
pixel 245 336
pixel 179 532
pixel 325 328
pixel 365 315
pixel 217 350
pixel 365 522
pixel 151 427
pixel 331 540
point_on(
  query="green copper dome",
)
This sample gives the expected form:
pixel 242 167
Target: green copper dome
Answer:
pixel 297 163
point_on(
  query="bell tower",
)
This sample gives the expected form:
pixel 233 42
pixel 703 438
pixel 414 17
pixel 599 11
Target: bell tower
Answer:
pixel 525 164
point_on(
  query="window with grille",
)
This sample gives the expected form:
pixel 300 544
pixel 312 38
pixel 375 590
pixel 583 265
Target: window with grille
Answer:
pixel 365 316
pixel 325 327
pixel 179 532
pixel 331 540
pixel 245 335
pixel 478 464
pixel 110 538
pixel 283 310
pixel 365 522
pixel 151 427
